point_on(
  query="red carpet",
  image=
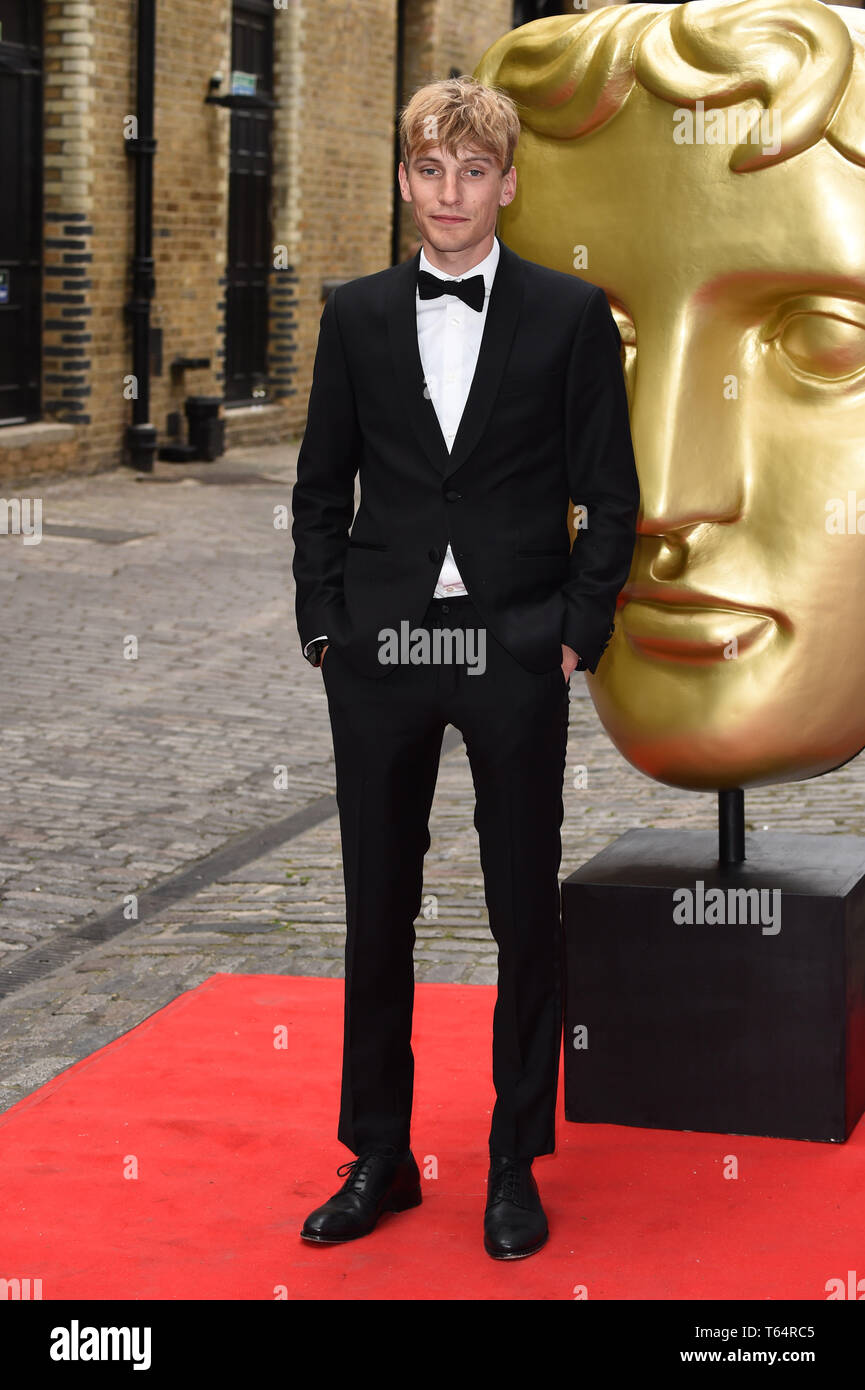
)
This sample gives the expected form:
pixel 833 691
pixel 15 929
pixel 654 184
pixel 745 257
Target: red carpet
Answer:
pixel 235 1142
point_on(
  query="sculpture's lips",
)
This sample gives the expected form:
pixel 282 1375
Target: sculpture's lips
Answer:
pixel 684 625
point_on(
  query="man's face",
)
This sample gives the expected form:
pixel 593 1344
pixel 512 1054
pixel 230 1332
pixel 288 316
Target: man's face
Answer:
pixel 739 653
pixel 455 201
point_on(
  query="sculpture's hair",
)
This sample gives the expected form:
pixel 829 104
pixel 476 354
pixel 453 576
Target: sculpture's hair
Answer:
pixel 460 111
pixel 570 74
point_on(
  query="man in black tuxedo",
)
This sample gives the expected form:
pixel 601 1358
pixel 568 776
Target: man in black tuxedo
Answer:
pixel 476 394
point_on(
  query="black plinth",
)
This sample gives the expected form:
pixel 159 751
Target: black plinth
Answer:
pixel 727 1026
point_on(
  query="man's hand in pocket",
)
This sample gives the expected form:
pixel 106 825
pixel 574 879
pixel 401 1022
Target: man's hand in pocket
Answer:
pixel 569 661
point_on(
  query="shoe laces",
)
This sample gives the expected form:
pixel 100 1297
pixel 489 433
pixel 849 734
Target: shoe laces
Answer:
pixel 507 1185
pixel 355 1166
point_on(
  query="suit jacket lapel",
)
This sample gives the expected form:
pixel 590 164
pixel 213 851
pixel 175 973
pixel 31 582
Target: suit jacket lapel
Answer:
pixel 503 312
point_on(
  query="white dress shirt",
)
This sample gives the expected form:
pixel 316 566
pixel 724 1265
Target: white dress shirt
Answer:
pixel 449 338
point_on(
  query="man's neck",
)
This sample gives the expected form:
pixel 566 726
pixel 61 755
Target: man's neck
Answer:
pixel 458 263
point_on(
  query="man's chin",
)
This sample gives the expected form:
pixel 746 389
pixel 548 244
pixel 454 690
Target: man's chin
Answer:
pixel 451 235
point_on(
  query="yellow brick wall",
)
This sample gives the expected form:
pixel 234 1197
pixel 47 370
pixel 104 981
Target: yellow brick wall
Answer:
pixel 335 66
pixel 190 197
pixel 441 35
pixel 336 141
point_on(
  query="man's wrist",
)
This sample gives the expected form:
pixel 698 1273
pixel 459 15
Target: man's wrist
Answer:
pixel 313 650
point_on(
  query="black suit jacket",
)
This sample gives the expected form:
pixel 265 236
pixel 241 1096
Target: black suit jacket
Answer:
pixel 545 422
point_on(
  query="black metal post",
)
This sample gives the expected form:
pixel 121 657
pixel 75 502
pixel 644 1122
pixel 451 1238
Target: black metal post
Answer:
pixel 731 826
pixel 397 154
pixel 141 434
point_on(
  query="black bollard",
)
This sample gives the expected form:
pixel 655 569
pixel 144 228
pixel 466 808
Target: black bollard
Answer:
pixel 731 826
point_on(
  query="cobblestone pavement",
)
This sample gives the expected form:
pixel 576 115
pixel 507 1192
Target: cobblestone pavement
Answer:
pixel 119 774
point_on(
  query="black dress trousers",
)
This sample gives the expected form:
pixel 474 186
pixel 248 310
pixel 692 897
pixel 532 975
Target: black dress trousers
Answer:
pixel 387 736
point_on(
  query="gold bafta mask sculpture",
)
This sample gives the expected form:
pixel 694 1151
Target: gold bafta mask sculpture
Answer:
pixel 705 164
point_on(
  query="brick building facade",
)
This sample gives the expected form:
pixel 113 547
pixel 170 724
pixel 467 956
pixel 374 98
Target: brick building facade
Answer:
pixel 244 242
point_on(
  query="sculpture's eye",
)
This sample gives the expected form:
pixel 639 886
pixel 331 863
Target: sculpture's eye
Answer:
pixel 821 338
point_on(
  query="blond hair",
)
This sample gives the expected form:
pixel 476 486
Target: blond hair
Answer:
pixel 456 112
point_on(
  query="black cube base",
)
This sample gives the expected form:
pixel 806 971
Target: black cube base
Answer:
pixel 728 1022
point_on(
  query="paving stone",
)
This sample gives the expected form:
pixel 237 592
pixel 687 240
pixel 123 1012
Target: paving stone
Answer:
pixel 240 924
pixel 483 975
pixel 82 1004
pixel 442 972
pixel 36 1072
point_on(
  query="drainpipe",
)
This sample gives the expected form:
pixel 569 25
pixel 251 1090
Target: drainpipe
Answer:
pixel 140 437
pixel 399 76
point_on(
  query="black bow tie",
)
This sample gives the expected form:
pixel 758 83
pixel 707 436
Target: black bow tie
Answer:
pixel 470 291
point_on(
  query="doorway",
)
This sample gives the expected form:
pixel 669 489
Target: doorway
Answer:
pixel 20 210
pixel 250 248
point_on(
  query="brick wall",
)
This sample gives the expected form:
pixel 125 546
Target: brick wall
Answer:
pixel 441 35
pixel 190 199
pixel 337 86
pixel 333 196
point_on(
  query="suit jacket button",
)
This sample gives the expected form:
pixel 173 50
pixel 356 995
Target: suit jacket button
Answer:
pixel 451 496
pixel 435 555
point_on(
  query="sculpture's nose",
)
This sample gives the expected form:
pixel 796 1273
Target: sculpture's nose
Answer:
pixel 687 423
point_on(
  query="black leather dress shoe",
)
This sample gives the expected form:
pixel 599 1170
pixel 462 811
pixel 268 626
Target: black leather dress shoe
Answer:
pixel 378 1180
pixel 514 1221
